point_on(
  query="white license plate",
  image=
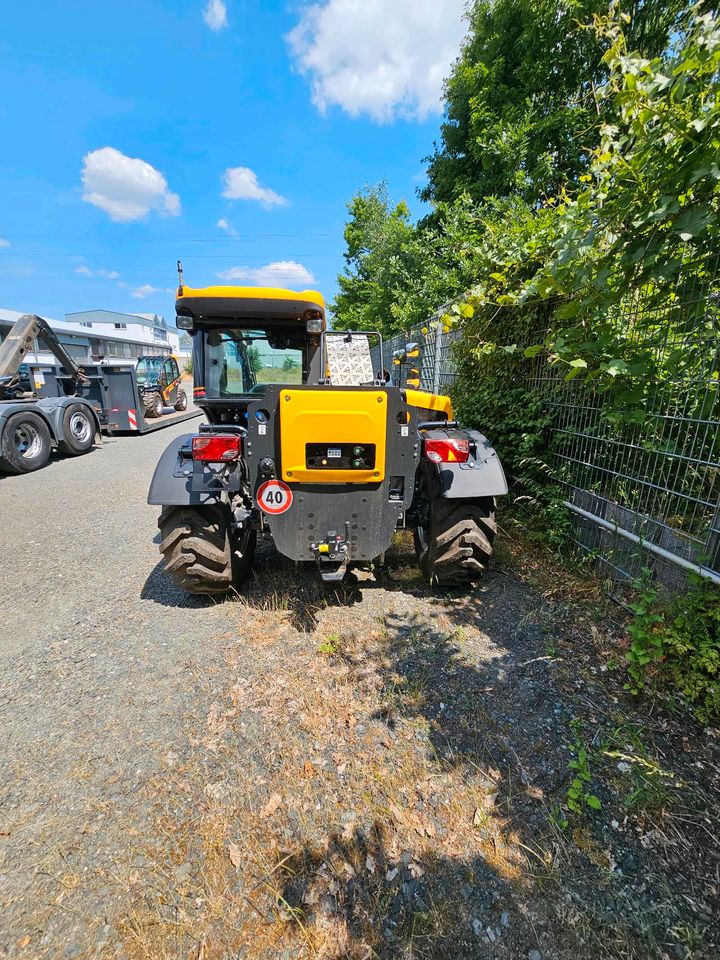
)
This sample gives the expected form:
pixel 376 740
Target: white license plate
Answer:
pixel 334 452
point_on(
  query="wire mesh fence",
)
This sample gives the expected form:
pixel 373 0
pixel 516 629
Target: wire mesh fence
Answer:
pixel 645 491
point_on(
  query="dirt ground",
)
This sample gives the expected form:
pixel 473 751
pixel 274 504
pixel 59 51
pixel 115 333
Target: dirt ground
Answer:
pixel 365 770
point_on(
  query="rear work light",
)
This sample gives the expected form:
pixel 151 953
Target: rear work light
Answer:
pixel 449 450
pixel 216 449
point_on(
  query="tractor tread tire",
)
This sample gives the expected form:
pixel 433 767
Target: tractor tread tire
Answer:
pixel 150 406
pixel 197 549
pixel 460 541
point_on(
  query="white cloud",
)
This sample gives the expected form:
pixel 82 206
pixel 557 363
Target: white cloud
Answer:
pixel 147 290
pixel 225 225
pixel 4 243
pixel 282 273
pixel 378 58
pixel 241 183
pixel 85 271
pixel 215 15
pixel 126 188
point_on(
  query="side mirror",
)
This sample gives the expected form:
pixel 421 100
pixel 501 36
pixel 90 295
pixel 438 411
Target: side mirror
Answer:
pixel 399 356
pixel 412 350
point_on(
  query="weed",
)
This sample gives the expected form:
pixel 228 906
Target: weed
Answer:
pixel 649 783
pixel 578 796
pixel 330 645
pixel 646 645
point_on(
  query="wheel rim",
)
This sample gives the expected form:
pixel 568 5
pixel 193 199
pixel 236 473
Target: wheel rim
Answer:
pixel 80 427
pixel 158 405
pixel 28 442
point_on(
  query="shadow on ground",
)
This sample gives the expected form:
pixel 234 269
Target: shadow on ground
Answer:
pixel 508 727
pixel 279 584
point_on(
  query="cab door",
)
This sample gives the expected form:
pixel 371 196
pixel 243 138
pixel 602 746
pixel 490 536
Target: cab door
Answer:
pixel 171 376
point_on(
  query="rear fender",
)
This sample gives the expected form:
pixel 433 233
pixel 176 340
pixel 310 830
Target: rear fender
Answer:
pixel 51 409
pixel 481 476
pixel 176 475
pixel 171 485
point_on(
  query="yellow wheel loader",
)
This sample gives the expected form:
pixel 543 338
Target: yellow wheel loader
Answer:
pixel 308 442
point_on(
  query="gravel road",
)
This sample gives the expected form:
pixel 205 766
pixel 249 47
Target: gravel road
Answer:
pixel 94 657
pixel 373 770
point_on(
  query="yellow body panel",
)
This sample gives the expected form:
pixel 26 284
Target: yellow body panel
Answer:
pixel 254 293
pixel 429 401
pixel 332 417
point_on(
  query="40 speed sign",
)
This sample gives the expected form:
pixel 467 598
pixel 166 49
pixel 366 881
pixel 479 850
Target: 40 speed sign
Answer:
pixel 274 497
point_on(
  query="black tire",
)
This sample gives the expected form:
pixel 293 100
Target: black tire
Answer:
pixel 456 547
pixel 78 430
pixel 197 549
pixel 181 403
pixel 25 444
pixel 153 405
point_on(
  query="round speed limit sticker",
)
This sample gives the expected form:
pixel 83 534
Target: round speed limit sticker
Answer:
pixel 274 497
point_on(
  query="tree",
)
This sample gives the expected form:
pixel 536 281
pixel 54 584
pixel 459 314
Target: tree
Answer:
pixel 521 115
pixel 378 262
pixel 254 359
pixel 289 363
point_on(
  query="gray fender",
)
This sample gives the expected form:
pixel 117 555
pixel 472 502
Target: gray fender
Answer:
pixel 171 484
pixel 481 476
pixel 51 409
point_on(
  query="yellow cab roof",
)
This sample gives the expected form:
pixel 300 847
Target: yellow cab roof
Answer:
pixel 200 299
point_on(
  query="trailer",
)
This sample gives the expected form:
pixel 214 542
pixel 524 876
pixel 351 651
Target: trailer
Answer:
pixel 114 392
pixel 64 407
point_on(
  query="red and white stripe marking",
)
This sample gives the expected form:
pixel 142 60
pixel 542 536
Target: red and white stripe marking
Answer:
pixel 132 419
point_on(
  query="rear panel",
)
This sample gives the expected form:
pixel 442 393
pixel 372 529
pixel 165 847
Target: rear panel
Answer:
pixel 331 436
pixel 363 514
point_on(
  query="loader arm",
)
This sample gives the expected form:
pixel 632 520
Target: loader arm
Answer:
pixel 19 342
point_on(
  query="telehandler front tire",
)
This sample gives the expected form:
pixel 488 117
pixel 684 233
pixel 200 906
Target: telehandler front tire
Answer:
pixel 154 406
pixel 199 554
pixel 456 546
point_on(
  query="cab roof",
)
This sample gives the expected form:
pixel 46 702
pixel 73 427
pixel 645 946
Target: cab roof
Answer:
pixel 244 304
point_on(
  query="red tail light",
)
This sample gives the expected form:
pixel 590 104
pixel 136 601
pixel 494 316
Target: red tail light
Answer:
pixel 450 450
pixel 216 449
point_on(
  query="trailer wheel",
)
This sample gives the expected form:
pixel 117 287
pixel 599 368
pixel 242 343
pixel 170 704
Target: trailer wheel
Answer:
pixel 78 430
pixel 25 444
pixel 181 402
pixel 153 405
pixel 455 544
pixel 197 548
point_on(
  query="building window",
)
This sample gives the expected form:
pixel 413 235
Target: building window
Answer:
pixel 120 326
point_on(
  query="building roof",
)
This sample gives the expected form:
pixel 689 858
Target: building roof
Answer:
pixel 100 315
pixel 63 326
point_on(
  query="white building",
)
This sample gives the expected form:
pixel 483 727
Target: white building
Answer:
pixel 150 328
pixel 95 335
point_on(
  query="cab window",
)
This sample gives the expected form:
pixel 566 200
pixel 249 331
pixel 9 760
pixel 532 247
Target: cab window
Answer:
pixel 239 362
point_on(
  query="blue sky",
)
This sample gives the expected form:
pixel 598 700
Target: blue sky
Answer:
pixel 123 124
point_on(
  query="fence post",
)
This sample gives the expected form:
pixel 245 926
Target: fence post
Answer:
pixel 713 541
pixel 438 350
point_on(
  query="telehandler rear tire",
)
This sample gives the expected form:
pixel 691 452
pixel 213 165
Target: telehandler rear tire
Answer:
pixel 198 552
pixel 456 546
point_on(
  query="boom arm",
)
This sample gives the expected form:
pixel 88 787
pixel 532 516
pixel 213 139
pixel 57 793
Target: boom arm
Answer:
pixel 20 340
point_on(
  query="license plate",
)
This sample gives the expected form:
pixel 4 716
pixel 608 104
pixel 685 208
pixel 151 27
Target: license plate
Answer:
pixel 334 452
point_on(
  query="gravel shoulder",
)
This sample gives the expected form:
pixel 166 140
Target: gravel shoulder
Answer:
pixel 369 770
